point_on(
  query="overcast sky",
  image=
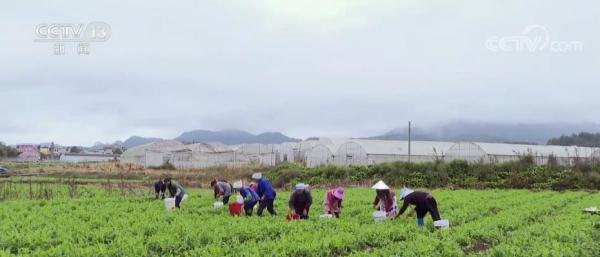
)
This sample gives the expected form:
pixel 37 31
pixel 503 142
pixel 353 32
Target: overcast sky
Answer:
pixel 307 68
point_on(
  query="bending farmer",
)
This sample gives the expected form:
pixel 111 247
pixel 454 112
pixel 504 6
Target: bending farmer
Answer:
pixel 222 189
pixel 333 201
pixel 159 189
pixel 423 202
pixel 266 194
pixel 177 191
pixel 385 200
pixel 300 201
pixel 250 199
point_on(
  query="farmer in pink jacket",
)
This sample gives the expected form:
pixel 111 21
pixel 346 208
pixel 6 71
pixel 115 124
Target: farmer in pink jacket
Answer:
pixel 333 201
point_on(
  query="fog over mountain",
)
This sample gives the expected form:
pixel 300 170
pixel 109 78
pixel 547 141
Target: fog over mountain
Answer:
pixel 452 131
pixel 491 132
pixel 534 133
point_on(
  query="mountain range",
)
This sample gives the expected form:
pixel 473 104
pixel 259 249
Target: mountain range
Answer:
pixel 229 137
pixel 452 131
pixel 491 132
pixel 232 137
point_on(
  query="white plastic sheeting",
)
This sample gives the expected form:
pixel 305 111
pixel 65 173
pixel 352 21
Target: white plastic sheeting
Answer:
pixel 343 151
pixel 153 154
pixel 364 152
pixel 286 152
pixel 302 149
pixel 496 153
pixel 203 155
pixel 320 154
pixel 263 154
pixel 323 151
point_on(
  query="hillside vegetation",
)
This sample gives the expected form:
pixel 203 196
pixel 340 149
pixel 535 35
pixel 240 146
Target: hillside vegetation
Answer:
pixel 581 139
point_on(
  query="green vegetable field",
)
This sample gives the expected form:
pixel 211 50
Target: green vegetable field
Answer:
pixel 486 223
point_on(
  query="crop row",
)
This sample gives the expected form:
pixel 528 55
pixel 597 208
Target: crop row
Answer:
pixel 493 223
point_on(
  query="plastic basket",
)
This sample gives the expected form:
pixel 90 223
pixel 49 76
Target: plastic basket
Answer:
pixel 441 223
pixel 379 216
pixel 170 203
pixel 235 209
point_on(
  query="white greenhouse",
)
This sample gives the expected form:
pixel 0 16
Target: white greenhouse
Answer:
pixel 323 151
pixel 203 155
pixel 496 153
pixel 343 151
pixel 263 154
pixel 285 152
pixel 302 149
pixel 365 152
pixel 153 154
pixel 320 154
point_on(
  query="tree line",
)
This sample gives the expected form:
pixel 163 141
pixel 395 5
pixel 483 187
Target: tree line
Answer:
pixel 7 151
pixel 582 139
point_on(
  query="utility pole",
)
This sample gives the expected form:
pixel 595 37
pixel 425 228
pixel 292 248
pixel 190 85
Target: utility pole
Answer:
pixel 409 141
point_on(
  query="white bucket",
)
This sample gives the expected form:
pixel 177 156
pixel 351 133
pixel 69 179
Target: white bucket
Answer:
pixel 326 216
pixel 218 204
pixel 379 216
pixel 170 203
pixel 441 223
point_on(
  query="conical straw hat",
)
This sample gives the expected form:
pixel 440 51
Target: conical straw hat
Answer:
pixel 380 186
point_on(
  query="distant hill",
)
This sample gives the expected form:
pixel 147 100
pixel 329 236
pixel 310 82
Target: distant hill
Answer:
pixel 137 140
pixel 491 132
pixel 232 137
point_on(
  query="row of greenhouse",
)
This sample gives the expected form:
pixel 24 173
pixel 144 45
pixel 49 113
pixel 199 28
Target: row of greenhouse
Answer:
pixel 338 151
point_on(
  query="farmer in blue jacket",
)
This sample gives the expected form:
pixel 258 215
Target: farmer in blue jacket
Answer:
pixel 250 199
pixel 266 194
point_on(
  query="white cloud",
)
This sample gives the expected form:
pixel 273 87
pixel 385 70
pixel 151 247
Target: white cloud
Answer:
pixel 324 68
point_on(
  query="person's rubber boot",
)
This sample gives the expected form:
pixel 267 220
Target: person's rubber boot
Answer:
pixel 421 222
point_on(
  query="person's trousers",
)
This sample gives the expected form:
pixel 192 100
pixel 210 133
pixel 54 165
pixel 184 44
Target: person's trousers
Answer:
pixel 431 207
pixel 267 203
pixel 248 208
pixel 178 200
pixel 300 213
pixel 159 189
pixel 226 199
